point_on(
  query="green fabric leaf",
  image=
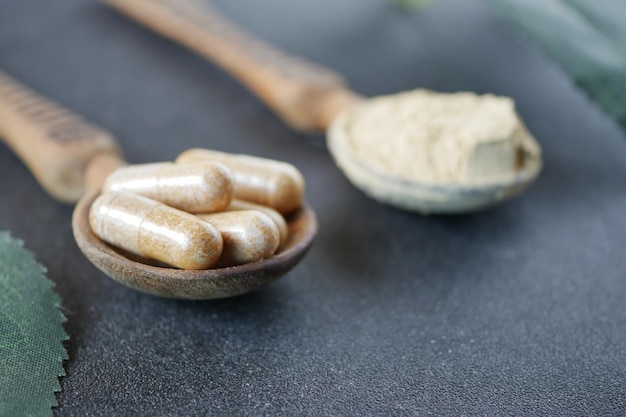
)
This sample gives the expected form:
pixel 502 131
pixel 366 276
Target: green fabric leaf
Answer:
pixel 586 37
pixel 31 334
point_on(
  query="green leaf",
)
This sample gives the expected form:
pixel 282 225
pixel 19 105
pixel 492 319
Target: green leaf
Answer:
pixel 587 38
pixel 31 334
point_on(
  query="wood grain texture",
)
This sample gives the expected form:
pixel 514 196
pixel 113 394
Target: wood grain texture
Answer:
pixel 56 144
pixel 306 95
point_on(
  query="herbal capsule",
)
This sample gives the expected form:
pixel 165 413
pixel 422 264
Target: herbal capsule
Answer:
pixel 148 228
pixel 248 235
pixel 276 217
pixel 278 185
pixel 196 188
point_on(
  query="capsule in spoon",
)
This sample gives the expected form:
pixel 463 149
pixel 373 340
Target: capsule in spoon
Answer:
pixel 61 148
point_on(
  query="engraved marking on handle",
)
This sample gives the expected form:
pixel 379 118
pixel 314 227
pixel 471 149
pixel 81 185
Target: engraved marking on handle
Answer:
pixel 56 144
pixel 61 126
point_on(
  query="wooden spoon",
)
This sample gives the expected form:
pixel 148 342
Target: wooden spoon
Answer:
pixel 310 98
pixel 71 158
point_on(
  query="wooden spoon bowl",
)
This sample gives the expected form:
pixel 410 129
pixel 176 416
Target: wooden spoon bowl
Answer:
pixel 194 284
pixel 68 156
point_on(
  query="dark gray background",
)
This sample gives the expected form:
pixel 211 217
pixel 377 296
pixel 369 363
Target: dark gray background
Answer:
pixel 518 310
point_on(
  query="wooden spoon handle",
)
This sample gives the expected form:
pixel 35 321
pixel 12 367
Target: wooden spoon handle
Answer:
pixel 55 144
pixel 306 95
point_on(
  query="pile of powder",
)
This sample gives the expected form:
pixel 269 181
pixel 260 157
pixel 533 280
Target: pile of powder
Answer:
pixel 439 138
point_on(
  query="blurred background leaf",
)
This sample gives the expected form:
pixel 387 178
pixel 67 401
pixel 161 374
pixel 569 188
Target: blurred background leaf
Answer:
pixel 586 37
pixel 31 334
pixel 414 4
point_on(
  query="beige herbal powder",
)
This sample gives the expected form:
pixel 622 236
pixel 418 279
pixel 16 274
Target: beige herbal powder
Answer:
pixel 439 138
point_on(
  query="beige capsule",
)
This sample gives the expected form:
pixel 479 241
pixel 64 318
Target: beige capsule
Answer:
pixel 196 188
pixel 278 185
pixel 277 218
pixel 248 235
pixel 148 228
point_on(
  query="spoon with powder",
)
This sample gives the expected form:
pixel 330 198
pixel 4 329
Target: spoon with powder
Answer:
pixel 419 150
pixel 71 158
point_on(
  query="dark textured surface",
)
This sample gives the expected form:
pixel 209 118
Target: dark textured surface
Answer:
pixel 515 311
